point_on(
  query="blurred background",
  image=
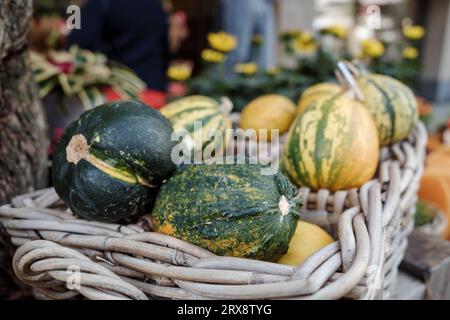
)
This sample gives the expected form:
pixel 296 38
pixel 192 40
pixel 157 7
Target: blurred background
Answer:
pixel 189 22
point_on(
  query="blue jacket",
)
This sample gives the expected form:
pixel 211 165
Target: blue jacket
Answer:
pixel 128 31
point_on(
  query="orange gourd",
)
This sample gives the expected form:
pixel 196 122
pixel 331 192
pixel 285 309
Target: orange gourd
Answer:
pixel 439 156
pixel 435 189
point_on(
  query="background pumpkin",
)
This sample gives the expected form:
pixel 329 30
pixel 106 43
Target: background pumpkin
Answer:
pixel 111 161
pixel 392 105
pixel 229 209
pixel 435 182
pixel 435 189
pixel 315 92
pixel 271 111
pixel 333 144
pixel 182 113
pixel 308 238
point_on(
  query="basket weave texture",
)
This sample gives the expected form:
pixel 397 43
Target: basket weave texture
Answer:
pixel 62 256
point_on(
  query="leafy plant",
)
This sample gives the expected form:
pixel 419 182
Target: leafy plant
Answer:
pixel 319 61
pixel 82 73
pixel 313 60
pixel 245 81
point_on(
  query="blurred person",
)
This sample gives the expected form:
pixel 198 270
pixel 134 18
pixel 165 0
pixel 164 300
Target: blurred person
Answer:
pixel 178 28
pixel 134 33
pixel 246 19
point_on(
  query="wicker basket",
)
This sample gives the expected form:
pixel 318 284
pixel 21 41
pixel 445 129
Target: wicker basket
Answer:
pixel 62 256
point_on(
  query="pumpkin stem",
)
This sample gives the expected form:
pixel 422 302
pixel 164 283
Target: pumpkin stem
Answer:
pixel 347 80
pixel 354 70
pixel 284 206
pixel 225 105
pixel 77 149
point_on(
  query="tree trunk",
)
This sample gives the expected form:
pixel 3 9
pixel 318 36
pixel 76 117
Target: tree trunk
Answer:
pixel 23 140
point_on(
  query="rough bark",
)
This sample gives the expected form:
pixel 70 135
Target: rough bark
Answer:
pixel 23 141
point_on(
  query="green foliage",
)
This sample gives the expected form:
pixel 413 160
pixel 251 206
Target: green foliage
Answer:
pixel 424 214
pixel 314 60
pixel 405 70
pixel 82 73
pixel 241 89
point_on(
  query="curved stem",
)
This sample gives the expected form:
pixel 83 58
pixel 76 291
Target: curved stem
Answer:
pixel 226 106
pixel 347 79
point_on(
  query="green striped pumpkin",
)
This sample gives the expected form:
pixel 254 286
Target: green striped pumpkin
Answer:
pixel 315 92
pixel 392 105
pixel 183 112
pixel 332 144
pixel 231 209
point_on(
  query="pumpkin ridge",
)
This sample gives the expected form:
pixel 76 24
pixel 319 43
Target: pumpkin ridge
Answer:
pixel 389 107
pixel 183 115
pixel 293 158
pixel 400 95
pixel 320 138
pixel 335 170
pixel 205 121
pixel 412 107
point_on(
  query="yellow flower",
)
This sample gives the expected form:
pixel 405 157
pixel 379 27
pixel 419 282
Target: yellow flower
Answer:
pixel 212 56
pixel 273 71
pixel 179 72
pixel 246 68
pixel 337 31
pixel 413 32
pixel 222 41
pixel 410 53
pixel 372 48
pixel 304 43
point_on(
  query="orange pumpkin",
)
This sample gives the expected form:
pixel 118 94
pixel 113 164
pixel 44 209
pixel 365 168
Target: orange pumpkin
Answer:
pixel 435 183
pixel 434 142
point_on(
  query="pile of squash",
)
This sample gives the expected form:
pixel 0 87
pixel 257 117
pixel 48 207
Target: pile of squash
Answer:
pixel 116 162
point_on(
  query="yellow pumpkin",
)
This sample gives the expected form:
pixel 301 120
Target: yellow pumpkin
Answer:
pixel 308 238
pixel 270 111
pixel 315 92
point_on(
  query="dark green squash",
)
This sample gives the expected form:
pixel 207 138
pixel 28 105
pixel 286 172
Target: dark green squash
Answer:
pixel 229 209
pixel 110 162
